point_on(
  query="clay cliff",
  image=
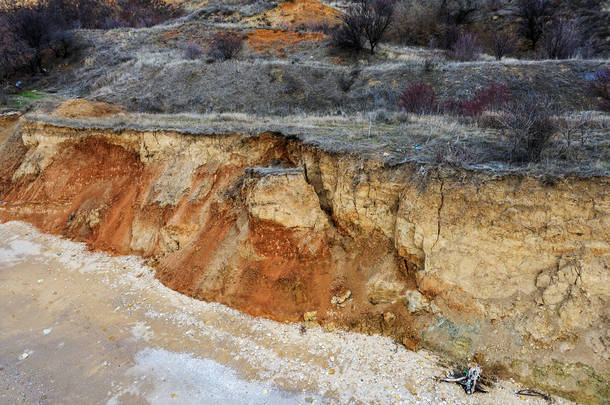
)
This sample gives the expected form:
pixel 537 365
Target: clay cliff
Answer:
pixel 509 270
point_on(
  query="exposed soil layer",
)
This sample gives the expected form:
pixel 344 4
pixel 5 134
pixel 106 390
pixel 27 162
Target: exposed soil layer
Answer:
pixel 511 271
pixel 278 42
pixel 300 13
pixel 76 108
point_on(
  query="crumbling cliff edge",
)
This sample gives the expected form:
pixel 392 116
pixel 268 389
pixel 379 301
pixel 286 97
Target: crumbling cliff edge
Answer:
pixel 508 270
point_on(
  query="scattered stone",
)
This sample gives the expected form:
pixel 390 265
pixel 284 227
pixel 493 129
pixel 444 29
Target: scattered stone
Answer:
pixel 389 318
pixel 330 327
pixel 339 299
pixel 416 302
pixel 310 316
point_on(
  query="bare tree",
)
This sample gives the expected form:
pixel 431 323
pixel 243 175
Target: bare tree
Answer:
pixel 364 21
pixel 501 43
pixel 561 40
pixel 376 18
pixel 466 48
pixel 533 15
pixel 458 12
pixel 349 34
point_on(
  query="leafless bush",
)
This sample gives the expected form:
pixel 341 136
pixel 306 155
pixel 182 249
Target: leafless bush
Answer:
pixel 450 153
pixel 466 48
pixel 430 64
pixel 501 43
pixel 415 23
pixel 529 127
pixel 348 35
pixel 419 98
pixel 491 97
pixel 532 17
pixel 364 21
pixel 146 13
pixel 561 40
pixel 377 18
pixel 573 131
pixel 62 43
pixel 192 51
pixel 225 45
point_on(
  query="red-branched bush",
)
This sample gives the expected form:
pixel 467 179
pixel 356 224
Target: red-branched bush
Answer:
pixel 419 98
pixel 489 97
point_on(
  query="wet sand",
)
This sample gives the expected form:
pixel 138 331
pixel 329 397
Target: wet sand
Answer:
pixel 78 327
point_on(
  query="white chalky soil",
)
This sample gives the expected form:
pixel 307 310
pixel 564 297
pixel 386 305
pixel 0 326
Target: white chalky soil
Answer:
pixel 85 328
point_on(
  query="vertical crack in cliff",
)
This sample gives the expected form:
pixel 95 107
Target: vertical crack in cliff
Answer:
pixel 440 208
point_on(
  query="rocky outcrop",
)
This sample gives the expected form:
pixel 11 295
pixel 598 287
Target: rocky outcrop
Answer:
pixel 510 270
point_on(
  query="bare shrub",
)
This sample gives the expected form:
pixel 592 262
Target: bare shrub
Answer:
pixel 532 17
pixel 192 51
pixel 377 18
pixel 501 43
pixel 600 87
pixel 364 21
pixel 430 64
pixel 419 98
pixel 146 13
pixel 446 37
pixel 466 48
pixel 529 127
pixel 449 153
pixel 349 34
pixel 62 43
pixel 32 28
pixel 491 97
pixel 574 133
pixel 415 22
pixel 561 40
pixel 225 45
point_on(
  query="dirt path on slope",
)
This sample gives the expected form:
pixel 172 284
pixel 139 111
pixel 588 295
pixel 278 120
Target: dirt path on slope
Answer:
pixel 78 327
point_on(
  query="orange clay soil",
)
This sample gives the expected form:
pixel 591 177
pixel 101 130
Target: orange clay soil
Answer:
pixel 81 108
pixel 102 194
pixel 267 40
pixel 300 12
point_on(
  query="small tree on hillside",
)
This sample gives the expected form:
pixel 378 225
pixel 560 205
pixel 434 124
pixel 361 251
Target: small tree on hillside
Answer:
pixel 377 17
pixel 502 43
pixel 33 26
pixel 533 16
pixel 561 40
pixel 364 21
pixel 348 35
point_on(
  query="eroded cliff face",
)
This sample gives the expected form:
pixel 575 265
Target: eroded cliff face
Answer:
pixel 510 271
